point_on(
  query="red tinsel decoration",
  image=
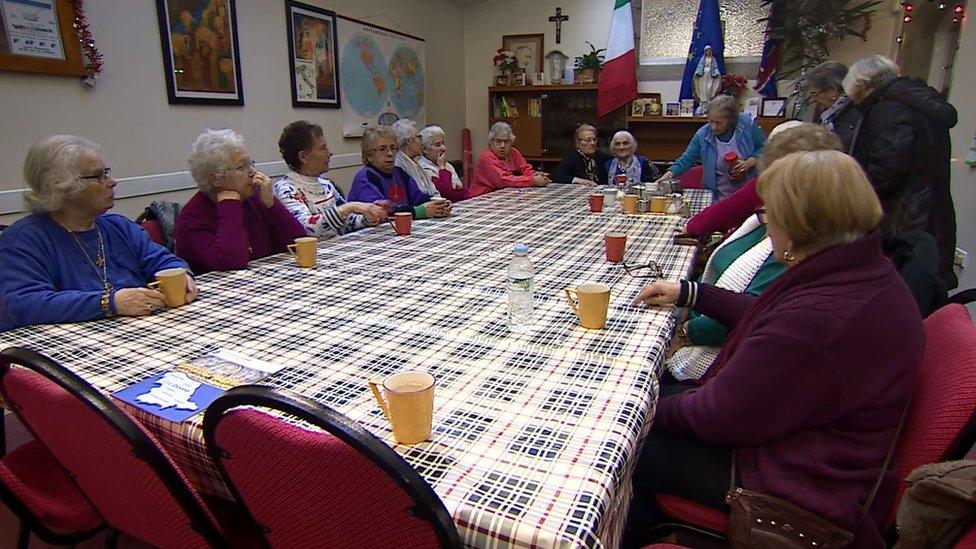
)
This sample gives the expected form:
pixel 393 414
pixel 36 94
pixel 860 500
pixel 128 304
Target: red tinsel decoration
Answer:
pixel 93 57
pixel 865 29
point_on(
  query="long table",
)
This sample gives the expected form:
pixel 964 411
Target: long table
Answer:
pixel 535 435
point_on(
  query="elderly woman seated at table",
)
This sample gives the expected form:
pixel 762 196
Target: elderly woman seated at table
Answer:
pixel 825 86
pixel 810 384
pixel 411 149
pixel 502 165
pixel 381 181
pixel 314 200
pixel 234 217
pixel 69 261
pixel 587 165
pixel 727 134
pixel 434 163
pixel 744 262
pixel 627 162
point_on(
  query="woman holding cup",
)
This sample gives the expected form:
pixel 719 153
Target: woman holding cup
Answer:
pixel 235 216
pixel 70 261
pixel 627 166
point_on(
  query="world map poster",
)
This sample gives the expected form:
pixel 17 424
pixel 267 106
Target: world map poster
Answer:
pixel 381 75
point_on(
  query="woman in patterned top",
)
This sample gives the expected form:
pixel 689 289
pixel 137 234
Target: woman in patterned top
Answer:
pixel 314 200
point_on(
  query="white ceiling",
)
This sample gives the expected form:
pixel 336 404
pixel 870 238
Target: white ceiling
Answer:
pixel 465 3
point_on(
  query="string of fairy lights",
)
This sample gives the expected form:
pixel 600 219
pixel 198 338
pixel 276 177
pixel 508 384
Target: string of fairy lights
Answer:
pixel 958 12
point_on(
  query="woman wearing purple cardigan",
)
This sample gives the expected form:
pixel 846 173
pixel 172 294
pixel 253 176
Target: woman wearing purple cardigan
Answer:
pixel 235 216
pixel 811 383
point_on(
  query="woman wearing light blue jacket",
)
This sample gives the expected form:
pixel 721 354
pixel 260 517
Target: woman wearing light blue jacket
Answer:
pixel 726 131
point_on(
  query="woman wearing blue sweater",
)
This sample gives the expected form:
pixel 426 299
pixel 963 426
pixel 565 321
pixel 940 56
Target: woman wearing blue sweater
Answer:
pixel 726 132
pixel 68 261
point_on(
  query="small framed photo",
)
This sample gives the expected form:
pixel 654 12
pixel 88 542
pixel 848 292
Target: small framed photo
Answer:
pixel 501 80
pixel 752 107
pixel 774 106
pixel 519 78
pixel 687 107
pixel 671 109
pixel 313 57
pixel 538 78
pixel 637 108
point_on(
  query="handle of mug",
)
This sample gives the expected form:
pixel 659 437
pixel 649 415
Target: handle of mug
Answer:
pixel 392 223
pixel 379 398
pixel 154 285
pixel 572 302
pixel 293 250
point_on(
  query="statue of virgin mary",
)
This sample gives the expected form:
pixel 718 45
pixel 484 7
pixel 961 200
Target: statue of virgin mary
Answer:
pixel 707 79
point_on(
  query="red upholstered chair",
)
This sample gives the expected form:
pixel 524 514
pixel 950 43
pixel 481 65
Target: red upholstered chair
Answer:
pixel 338 487
pixel 155 232
pixel 692 179
pixel 119 467
pixel 968 541
pixel 35 487
pixel 940 425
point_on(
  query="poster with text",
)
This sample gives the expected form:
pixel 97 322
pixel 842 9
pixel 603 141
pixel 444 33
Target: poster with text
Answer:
pixel 382 76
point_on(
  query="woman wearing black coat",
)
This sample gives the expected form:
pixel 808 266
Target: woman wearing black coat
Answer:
pixel 585 165
pixel 903 145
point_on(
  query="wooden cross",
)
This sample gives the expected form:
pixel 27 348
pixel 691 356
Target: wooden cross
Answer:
pixel 558 20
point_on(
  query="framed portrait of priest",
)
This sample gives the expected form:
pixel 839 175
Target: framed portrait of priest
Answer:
pixel 527 49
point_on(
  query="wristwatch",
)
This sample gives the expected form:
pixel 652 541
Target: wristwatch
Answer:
pixel 682 330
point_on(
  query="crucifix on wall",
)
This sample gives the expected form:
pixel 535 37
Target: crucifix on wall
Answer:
pixel 558 20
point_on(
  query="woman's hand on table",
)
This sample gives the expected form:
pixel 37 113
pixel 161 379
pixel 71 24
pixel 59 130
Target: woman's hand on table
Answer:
pixel 541 180
pixel 667 176
pixel 659 294
pixel 438 208
pixel 137 301
pixel 743 167
pixel 582 181
pixel 191 289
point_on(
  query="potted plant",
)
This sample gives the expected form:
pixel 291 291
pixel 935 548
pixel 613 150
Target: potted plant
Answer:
pixel 505 61
pixel 588 66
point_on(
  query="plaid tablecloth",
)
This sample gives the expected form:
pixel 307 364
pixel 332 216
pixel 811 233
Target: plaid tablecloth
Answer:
pixel 535 435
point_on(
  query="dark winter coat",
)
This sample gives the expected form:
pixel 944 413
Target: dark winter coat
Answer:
pixel 903 145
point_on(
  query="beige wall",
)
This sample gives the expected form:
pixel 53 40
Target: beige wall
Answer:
pixel 127 112
pixel 963 176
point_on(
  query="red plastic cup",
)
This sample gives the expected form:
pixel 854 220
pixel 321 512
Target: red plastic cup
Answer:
pixel 620 179
pixel 401 223
pixel 596 202
pixel 731 158
pixel 615 244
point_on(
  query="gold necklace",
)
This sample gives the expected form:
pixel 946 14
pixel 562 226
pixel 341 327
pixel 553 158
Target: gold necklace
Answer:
pixel 100 263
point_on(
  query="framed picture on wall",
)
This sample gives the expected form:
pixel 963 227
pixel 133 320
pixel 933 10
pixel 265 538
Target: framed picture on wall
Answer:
pixel 39 37
pixel 201 58
pixel 527 49
pixel 774 106
pixel 312 56
pixel 671 109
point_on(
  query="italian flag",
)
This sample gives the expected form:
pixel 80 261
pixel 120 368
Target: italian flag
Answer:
pixel 618 80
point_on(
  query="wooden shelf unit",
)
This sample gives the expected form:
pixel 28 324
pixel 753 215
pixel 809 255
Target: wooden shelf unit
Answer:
pixel 664 138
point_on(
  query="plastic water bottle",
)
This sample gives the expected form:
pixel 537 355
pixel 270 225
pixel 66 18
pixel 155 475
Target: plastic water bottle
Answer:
pixel 520 286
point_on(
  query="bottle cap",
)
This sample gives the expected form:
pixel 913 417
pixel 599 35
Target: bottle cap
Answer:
pixel 521 249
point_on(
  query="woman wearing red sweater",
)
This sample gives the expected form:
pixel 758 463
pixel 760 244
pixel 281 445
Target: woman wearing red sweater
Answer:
pixel 235 216
pixel 809 386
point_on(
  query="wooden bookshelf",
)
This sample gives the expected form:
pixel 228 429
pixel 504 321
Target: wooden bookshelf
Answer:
pixel 664 138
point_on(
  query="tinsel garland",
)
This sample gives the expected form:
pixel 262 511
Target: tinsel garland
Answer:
pixel 92 57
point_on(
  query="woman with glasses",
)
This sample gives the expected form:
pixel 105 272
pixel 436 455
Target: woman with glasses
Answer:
pixel 825 86
pixel 381 181
pixel 502 165
pixel 587 165
pixel 744 262
pixel 411 149
pixel 804 400
pixel 234 217
pixel 70 261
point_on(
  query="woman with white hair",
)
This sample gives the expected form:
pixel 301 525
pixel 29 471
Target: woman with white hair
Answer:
pixel 903 145
pixel 434 163
pixel 69 261
pixel 234 217
pixel 627 162
pixel 726 132
pixel 408 141
pixel 825 85
pixel 502 165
